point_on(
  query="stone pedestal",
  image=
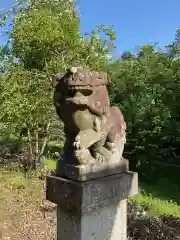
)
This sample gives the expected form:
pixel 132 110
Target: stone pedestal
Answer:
pixel 94 209
pixel 91 171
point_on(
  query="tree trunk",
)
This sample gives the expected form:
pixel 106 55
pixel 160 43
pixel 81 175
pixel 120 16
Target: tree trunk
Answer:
pixel 36 148
pixel 43 146
pixel 29 160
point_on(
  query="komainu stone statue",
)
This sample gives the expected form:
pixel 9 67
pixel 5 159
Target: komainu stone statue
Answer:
pixel 95 132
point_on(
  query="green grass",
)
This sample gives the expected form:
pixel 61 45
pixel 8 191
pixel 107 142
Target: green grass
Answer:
pixel 49 163
pixel 160 191
pixel 157 206
pixel 54 143
pixel 13 179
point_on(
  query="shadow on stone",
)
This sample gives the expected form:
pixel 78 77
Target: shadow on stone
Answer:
pixel 93 209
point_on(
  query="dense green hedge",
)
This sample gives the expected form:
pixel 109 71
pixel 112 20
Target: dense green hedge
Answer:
pixel 146 87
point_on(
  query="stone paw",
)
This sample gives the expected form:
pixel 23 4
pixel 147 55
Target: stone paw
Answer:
pixel 100 158
pixel 82 156
pixel 106 111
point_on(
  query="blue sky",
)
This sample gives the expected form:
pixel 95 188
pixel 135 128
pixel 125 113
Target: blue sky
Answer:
pixel 136 22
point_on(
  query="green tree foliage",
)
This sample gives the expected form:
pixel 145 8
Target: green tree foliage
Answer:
pixel 45 39
pixel 46 36
pixel 146 87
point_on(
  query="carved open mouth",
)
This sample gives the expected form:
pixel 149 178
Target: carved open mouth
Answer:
pixel 83 90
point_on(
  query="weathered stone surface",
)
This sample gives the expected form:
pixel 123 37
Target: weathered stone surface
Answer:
pixel 84 196
pixel 92 171
pixel 95 209
pixel 105 223
pixel 92 180
pixel 95 132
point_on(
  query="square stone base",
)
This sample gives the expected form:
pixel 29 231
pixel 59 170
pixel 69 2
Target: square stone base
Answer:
pixel 91 171
pixel 95 209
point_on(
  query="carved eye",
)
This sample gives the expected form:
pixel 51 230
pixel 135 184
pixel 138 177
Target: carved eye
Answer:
pixel 98 75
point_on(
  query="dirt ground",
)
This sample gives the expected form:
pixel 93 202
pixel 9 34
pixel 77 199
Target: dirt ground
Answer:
pixel 25 215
